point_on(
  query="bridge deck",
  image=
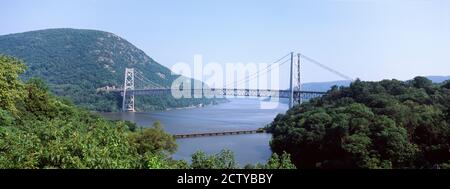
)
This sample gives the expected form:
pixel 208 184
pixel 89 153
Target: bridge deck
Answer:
pixel 221 133
pixel 226 92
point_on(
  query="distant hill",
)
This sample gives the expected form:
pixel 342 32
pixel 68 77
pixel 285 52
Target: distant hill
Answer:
pixel 325 86
pixel 438 79
pixel 76 62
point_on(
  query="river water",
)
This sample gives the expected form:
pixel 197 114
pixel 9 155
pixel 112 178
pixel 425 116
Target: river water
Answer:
pixel 237 114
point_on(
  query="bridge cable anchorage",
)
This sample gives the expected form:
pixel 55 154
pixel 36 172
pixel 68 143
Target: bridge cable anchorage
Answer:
pixel 264 71
pixel 327 68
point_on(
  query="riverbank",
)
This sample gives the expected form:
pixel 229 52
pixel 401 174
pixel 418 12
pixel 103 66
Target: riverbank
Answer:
pixel 215 102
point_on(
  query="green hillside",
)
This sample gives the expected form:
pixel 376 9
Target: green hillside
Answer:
pixel 75 63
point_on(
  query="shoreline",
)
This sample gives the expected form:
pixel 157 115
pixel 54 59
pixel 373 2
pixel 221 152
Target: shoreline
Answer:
pixel 175 108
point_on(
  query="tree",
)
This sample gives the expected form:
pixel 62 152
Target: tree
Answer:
pixel 153 140
pixel 446 84
pixel 279 162
pixel 10 86
pixel 161 161
pixel 421 82
pixel 5 118
pixel 222 160
pixel 38 100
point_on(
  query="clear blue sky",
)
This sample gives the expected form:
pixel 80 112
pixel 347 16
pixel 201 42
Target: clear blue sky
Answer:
pixel 369 39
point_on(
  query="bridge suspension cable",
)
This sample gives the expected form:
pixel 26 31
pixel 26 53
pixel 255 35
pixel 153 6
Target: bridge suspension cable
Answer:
pixel 140 76
pixel 326 67
pixel 256 75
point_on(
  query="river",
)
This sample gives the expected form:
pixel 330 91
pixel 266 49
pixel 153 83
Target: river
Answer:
pixel 237 114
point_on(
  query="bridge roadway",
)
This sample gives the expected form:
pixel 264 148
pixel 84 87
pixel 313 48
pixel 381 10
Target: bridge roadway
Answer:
pixel 221 133
pixel 226 92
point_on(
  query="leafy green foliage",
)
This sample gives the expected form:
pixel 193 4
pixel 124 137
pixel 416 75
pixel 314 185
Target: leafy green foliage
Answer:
pixel 153 139
pixel 10 86
pixel 5 118
pixel 275 162
pixel 222 160
pixel 225 160
pixel 386 124
pixel 161 161
pixel 38 130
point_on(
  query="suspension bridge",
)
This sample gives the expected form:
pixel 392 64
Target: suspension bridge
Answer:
pixel 295 94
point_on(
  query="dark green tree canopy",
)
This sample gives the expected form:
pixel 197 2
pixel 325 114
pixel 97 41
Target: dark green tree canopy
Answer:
pixel 39 130
pixel 386 124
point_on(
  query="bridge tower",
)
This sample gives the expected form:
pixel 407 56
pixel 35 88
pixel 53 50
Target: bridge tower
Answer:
pixel 128 101
pixel 299 81
pixel 295 97
pixel 291 82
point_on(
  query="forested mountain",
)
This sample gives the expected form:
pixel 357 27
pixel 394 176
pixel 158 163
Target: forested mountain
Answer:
pixel 75 63
pixel 386 124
